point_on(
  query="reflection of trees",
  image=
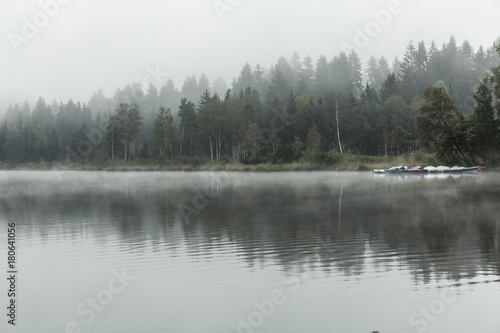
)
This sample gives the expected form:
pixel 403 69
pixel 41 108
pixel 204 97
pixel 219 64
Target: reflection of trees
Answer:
pixel 126 213
pixel 438 236
pixel 435 228
pixel 293 226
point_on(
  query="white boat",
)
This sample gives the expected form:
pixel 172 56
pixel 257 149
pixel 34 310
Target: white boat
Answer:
pixel 464 169
pixel 443 168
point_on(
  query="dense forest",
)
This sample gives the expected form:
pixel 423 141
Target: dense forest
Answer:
pixel 443 101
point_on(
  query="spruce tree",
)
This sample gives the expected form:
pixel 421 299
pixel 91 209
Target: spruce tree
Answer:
pixel 484 125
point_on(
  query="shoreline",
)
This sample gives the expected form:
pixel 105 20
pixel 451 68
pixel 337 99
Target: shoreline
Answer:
pixel 350 163
pixel 182 168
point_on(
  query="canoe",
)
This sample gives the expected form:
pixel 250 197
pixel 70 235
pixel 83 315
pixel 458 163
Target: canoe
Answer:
pixel 468 169
pixel 463 169
pixel 395 169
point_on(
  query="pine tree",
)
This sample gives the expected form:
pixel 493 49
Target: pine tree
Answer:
pixel 203 99
pixel 188 126
pixel 291 126
pixel 260 80
pixel 356 73
pixel 322 82
pixel 313 142
pixel 190 88
pixel 377 72
pixel 246 78
pixel 278 87
pixel 484 126
pixel 4 134
pixel 203 84
pixel 389 87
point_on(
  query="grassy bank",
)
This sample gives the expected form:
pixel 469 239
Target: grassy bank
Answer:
pixel 345 162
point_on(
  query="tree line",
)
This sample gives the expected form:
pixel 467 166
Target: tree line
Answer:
pixel 437 100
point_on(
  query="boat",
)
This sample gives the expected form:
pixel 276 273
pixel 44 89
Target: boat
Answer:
pixel 464 169
pixel 416 169
pixel 442 168
pixel 396 169
pixel 430 168
pixel 453 169
pixel 470 169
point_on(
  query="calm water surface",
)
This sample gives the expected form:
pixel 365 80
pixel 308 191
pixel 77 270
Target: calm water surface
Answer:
pixel 244 252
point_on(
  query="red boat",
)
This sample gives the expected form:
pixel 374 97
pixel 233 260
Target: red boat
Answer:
pixel 417 169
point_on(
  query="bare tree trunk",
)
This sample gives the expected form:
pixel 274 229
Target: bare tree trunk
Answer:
pixel 211 149
pixel 182 140
pixel 112 146
pixel 171 148
pixel 275 142
pixel 338 129
pixel 333 101
pixel 218 148
pixel 191 144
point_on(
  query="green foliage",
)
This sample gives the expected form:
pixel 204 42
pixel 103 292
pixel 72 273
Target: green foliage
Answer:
pixel 313 142
pixel 164 145
pixel 331 157
pixel 216 120
pixel 188 127
pixel 297 146
pixel 123 127
pixel 268 115
pixel 285 154
pixel 443 127
pixel 378 71
pixel 484 131
pixel 390 87
pixel 401 140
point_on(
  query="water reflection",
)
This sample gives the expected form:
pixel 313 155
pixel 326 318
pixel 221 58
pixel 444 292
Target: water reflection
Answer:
pixel 434 228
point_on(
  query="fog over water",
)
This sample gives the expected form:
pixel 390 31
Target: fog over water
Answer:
pixel 341 251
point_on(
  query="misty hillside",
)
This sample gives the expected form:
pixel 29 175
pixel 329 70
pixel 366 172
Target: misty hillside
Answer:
pixel 376 105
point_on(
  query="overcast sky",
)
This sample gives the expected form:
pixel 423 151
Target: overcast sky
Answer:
pixel 78 46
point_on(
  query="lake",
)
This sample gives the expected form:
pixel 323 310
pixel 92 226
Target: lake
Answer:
pixel 252 252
